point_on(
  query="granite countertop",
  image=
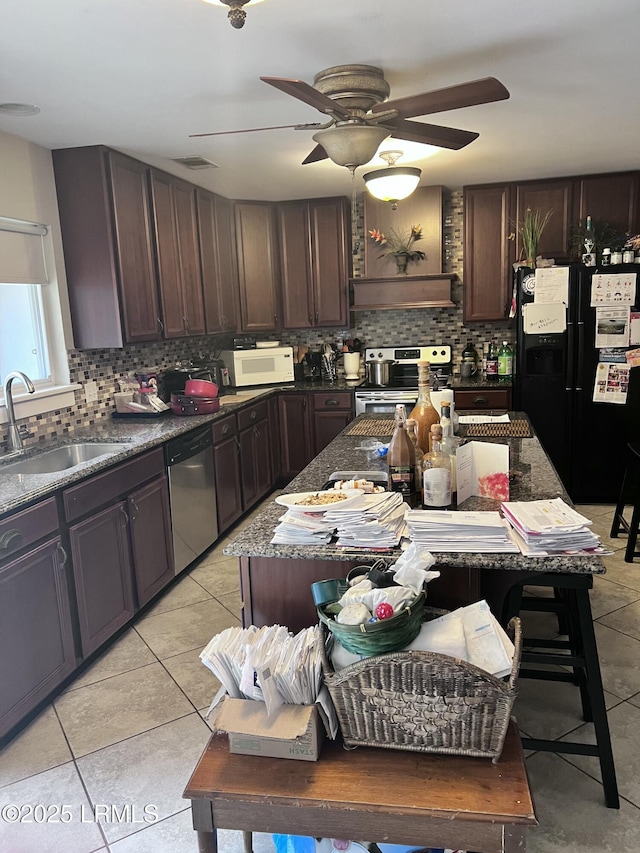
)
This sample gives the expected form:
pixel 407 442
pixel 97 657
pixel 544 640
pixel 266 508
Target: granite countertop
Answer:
pixel 532 478
pixel 18 490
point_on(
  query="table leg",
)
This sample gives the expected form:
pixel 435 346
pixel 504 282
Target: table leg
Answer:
pixel 247 841
pixel 513 839
pixel 202 818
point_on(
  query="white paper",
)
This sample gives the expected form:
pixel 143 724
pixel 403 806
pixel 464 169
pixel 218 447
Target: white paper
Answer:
pixel 483 470
pixel 544 318
pixel 485 419
pixel 634 329
pixel 612 327
pixel 613 289
pixel 612 381
pixel 552 285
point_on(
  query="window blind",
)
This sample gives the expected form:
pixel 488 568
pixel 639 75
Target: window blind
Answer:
pixel 22 259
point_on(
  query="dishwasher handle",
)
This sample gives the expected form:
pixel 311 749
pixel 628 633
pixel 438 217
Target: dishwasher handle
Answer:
pixel 185 446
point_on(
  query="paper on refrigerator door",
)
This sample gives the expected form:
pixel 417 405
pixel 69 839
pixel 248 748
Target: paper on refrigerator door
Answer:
pixel 552 285
pixel 546 318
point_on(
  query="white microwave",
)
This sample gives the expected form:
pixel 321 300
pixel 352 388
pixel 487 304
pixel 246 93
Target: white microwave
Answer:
pixel 258 366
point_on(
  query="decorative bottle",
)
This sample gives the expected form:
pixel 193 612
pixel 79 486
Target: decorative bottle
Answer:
pixel 492 362
pixel 505 363
pixel 589 246
pixel 424 413
pixel 436 474
pixel 401 459
pixel 449 445
pixel 413 435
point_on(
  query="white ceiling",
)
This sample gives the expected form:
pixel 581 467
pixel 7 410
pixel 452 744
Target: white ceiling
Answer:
pixel 141 75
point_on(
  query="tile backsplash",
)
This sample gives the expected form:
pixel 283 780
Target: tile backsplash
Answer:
pixel 388 327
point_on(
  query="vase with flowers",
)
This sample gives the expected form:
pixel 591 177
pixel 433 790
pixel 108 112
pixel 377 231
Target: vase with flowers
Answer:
pixel 399 245
pixel 529 230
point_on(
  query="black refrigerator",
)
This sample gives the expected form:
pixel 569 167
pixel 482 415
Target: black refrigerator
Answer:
pixel 554 382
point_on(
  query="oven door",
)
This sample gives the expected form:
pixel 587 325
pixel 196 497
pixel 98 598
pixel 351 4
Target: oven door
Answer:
pixel 383 402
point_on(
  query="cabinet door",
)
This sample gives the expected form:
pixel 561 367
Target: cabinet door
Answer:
pixel 296 450
pixel 150 524
pixel 262 457
pixel 556 196
pixel 227 262
pixel 248 473
pixel 494 398
pixel 327 425
pixel 274 445
pixel 37 651
pixel 611 198
pixel 328 221
pixel 257 266
pixel 226 457
pixel 188 253
pixel 217 259
pixel 132 231
pixel 102 570
pixel 487 252
pixel 295 260
pixel 167 254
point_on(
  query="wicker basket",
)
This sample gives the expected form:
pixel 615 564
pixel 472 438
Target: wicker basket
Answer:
pixel 385 635
pixel 423 701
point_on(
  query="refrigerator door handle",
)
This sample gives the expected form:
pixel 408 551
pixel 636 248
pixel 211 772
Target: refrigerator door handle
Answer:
pixel 571 377
pixel 580 360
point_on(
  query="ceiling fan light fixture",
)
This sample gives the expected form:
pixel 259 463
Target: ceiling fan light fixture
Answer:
pixel 351 145
pixel 393 184
pixel 236 14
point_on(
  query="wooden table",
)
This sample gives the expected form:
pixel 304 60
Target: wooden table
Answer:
pixel 367 794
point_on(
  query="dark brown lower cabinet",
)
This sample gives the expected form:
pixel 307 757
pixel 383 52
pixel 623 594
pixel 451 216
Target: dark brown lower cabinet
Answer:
pixel 150 525
pixel 37 650
pixel 226 463
pixel 255 461
pixel 274 446
pixel 102 568
pixel 331 414
pixel 296 446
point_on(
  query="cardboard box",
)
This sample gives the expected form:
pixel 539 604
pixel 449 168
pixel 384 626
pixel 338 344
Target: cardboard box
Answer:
pixel 295 731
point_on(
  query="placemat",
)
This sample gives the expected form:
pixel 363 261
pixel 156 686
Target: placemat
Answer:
pixel 375 427
pixel 515 429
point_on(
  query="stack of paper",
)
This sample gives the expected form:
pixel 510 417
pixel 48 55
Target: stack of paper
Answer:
pixel 374 522
pixel 441 530
pixel 549 527
pixel 303 528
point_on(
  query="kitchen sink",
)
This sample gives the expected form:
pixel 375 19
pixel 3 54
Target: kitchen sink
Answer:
pixel 61 458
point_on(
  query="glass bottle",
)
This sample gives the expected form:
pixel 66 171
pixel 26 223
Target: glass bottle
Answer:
pixel 413 435
pixel 424 413
pixel 436 474
pixel 589 247
pixel 401 459
pixel 492 362
pixel 505 363
pixel 449 445
pixel 470 354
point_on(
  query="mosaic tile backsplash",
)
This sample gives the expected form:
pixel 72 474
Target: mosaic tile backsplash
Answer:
pixel 374 328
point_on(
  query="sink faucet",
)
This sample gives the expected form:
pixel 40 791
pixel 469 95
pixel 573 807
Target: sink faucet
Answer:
pixel 14 443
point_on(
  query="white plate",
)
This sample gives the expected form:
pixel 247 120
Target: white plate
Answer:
pixel 267 344
pixel 292 501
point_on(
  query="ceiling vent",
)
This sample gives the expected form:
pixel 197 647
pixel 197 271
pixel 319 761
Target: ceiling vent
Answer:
pixel 195 162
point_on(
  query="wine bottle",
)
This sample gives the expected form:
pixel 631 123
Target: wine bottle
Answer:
pixel 413 435
pixel 401 459
pixel 436 474
pixel 424 413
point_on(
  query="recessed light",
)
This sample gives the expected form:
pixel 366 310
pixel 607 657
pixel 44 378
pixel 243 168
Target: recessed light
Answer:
pixel 19 109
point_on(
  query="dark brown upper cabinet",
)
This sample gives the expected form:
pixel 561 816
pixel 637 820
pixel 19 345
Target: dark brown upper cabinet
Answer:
pixel 314 262
pixel 218 263
pixel 611 198
pixel 553 195
pixel 103 199
pixel 178 255
pixel 256 244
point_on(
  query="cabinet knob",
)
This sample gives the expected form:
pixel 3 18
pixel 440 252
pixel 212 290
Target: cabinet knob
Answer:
pixel 225 429
pixel 10 539
pixel 124 515
pixel 331 403
pixel 160 325
pixel 316 317
pixel 134 507
pixel 481 401
pixel 62 554
pixel 254 415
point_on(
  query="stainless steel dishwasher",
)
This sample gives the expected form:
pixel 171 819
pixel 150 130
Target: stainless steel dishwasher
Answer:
pixel 192 491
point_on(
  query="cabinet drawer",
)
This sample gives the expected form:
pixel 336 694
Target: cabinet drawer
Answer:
pixel 327 401
pixel 495 398
pixel 28 526
pixel 109 486
pixel 252 414
pixel 223 429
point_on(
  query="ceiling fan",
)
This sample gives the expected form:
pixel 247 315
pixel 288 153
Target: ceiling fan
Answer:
pixel 354 98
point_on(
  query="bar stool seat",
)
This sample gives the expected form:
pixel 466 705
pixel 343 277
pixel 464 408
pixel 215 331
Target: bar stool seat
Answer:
pixel 629 496
pixel 572 605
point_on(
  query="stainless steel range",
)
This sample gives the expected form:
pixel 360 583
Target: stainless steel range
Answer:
pixel 403 385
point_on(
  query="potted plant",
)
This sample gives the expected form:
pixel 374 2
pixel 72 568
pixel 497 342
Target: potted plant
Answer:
pixel 399 245
pixel 603 235
pixel 530 230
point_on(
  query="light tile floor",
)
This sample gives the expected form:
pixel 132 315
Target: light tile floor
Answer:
pixel 118 746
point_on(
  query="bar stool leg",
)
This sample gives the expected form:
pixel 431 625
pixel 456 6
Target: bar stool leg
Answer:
pixel 577 649
pixel 596 696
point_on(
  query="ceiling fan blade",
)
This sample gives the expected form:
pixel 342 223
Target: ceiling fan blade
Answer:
pixel 430 134
pixel 311 126
pixel 469 94
pixel 304 92
pixel 317 154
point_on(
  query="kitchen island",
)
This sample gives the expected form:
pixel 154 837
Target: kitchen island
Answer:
pixel 276 579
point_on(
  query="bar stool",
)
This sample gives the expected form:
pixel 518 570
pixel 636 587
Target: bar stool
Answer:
pixel 630 491
pixel 629 496
pixel 571 603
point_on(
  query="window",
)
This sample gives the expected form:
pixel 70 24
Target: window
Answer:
pixel 30 316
